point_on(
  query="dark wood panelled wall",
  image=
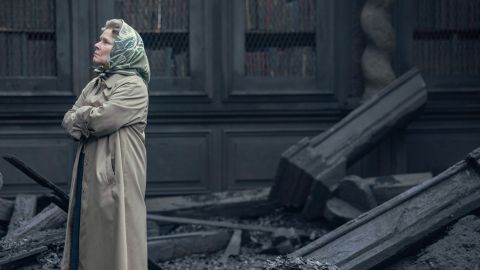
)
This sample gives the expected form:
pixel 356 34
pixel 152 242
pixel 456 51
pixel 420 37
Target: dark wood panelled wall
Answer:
pixel 231 88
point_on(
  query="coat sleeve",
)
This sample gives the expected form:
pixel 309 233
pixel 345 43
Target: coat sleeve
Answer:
pixel 71 123
pixel 127 105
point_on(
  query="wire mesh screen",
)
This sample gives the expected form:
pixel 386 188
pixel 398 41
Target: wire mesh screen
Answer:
pixel 27 38
pixel 164 27
pixel 280 38
pixel 447 37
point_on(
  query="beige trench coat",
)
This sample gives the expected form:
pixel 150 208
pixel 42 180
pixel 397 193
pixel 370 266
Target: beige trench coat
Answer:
pixel 112 117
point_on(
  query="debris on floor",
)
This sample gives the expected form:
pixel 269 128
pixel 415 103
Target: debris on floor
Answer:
pixel 196 232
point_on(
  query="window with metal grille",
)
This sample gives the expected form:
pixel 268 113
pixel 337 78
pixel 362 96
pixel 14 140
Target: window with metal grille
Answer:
pixel 447 37
pixel 164 27
pixel 28 38
pixel 280 38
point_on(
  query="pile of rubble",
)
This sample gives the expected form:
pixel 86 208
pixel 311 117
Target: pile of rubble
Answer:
pixel 34 227
pixel 29 229
pixel 246 230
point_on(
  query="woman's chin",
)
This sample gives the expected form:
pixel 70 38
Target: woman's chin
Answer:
pixel 97 61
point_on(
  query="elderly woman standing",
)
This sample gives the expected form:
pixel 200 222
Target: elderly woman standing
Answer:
pixel 106 226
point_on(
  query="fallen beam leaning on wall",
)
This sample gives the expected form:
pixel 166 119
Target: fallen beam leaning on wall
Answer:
pixel 310 170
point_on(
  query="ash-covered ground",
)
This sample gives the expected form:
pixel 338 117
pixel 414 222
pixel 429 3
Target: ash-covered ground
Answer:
pixel 456 247
pixel 254 253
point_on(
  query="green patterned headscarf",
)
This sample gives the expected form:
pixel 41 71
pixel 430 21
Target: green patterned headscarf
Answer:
pixel 128 55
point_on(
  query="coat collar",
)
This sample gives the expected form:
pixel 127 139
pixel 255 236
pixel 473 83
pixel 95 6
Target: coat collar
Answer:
pixel 110 82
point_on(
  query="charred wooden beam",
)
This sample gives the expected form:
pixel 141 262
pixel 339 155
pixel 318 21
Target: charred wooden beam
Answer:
pixel 24 210
pixel 13 252
pixel 34 240
pixel 164 248
pixel 250 203
pixel 400 222
pixel 175 203
pixel 223 224
pixel 242 210
pixel 21 255
pixel 50 217
pixel 233 247
pixel 42 181
pixel 310 170
pixel 46 237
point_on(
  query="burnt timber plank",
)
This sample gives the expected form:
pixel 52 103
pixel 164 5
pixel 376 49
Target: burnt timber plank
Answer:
pixel 398 223
pixel 49 218
pixel 310 170
pixel 23 210
pixel 233 247
pixel 22 255
pixel 175 203
pixel 250 203
pixel 223 224
pixel 242 210
pixel 169 247
pixel 32 241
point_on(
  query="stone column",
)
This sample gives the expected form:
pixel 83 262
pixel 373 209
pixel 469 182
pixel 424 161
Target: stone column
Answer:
pixel 376 59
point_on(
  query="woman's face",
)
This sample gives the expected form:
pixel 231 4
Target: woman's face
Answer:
pixel 103 48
